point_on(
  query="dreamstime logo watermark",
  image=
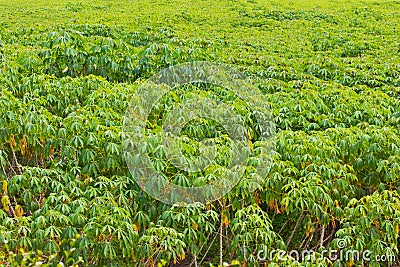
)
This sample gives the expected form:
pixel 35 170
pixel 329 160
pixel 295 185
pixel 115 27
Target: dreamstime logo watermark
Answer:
pixel 342 254
pixel 138 135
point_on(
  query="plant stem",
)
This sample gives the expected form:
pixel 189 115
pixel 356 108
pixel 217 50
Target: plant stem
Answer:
pixel 220 242
pixel 322 236
pixel 295 229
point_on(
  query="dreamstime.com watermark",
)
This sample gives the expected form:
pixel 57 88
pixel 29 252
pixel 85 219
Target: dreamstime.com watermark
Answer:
pixel 342 254
pixel 137 135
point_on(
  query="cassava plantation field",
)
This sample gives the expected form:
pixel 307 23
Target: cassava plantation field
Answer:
pixel 329 72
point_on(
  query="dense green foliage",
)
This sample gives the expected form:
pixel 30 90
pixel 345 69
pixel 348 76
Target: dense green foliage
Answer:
pixel 330 73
